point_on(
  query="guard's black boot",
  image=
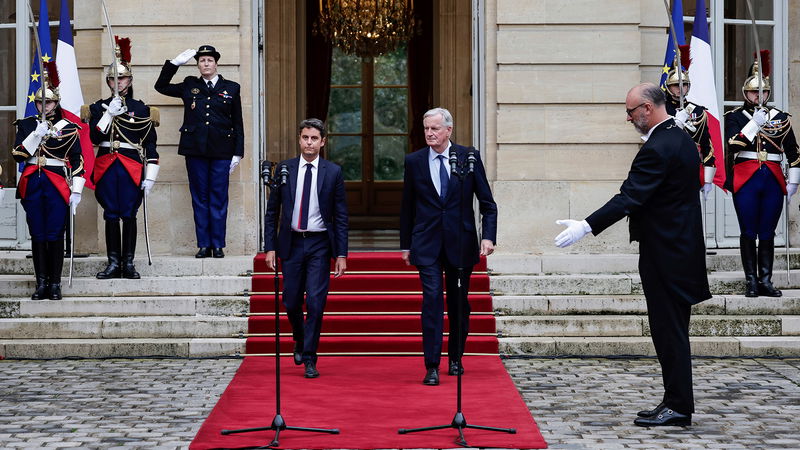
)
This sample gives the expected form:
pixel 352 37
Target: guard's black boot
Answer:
pixel 114 249
pixel 40 270
pixel 129 249
pixel 766 255
pixel 747 247
pixel 55 262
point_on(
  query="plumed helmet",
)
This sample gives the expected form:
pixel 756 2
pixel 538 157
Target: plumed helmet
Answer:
pixel 122 49
pixel 672 75
pixel 50 82
pixel 752 82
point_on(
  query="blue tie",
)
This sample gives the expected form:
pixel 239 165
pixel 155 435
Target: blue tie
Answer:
pixel 443 178
pixel 303 225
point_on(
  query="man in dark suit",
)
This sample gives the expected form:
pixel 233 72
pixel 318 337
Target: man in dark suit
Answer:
pixel 212 140
pixel 660 196
pixel 438 233
pixel 306 223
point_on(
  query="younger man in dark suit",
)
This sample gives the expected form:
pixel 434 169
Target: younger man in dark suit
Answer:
pixel 306 224
pixel 437 232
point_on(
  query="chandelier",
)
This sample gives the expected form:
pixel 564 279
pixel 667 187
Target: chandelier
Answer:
pixel 366 28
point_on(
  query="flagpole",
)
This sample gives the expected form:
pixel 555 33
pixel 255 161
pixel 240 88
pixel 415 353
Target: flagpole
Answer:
pixel 677 59
pixel 42 112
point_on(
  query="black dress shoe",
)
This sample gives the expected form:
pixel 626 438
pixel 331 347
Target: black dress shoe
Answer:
pixel 218 253
pixel 311 370
pixel 431 377
pixel 650 412
pixel 298 354
pixel 455 368
pixel 204 252
pixel 665 417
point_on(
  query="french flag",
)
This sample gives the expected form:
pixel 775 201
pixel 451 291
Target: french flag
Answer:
pixel 704 91
pixel 70 88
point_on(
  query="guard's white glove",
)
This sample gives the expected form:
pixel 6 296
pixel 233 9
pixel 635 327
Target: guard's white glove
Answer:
pixel 760 117
pixel 184 57
pixel 115 107
pixel 42 130
pixel 574 232
pixel 791 189
pixel 707 188
pixel 74 200
pixel 147 185
pixel 234 162
pixel 681 117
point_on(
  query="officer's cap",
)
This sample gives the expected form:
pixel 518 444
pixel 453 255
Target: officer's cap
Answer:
pixel 206 50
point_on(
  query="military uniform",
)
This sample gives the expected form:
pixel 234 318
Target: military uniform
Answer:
pixel 212 134
pixel 697 129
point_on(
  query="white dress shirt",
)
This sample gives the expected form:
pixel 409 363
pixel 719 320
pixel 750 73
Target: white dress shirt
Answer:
pixel 433 162
pixel 213 80
pixel 315 222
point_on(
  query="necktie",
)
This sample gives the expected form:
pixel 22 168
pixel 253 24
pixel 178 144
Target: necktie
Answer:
pixel 210 85
pixel 303 221
pixel 443 178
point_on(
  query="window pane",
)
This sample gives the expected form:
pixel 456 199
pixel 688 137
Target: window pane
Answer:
pixel 391 110
pixel 8 67
pixel 345 69
pixel 344 111
pixel 7 133
pixel 737 9
pixel 346 151
pixel 389 153
pixel 8 12
pixel 739 51
pixel 392 68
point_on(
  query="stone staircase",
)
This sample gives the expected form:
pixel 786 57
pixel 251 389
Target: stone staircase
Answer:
pixel 546 305
pixel 554 305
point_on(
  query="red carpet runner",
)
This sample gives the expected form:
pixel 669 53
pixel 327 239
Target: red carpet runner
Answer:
pixel 368 399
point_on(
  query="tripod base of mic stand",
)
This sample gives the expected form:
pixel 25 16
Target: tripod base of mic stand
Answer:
pixel 459 423
pixel 278 425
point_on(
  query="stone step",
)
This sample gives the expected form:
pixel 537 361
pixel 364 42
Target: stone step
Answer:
pixel 151 327
pixel 539 305
pixel 713 346
pixel 15 262
pixel 120 348
pixel 635 325
pixel 23 285
pixel 617 284
pixel 211 305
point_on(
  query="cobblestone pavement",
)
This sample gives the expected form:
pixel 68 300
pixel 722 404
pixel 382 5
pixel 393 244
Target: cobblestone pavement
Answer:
pixel 578 403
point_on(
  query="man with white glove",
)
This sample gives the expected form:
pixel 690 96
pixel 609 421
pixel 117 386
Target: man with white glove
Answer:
pixel 660 199
pixel 31 143
pixel 681 117
pixel 212 140
pixel 760 117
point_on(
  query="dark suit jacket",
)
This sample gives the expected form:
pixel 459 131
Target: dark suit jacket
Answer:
pixel 427 225
pixel 212 119
pixel 332 206
pixel 660 197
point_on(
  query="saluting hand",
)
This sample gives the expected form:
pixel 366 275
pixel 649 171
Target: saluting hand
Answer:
pixel 184 57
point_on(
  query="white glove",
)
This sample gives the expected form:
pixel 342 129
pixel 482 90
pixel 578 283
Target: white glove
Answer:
pixel 74 200
pixel 681 117
pixel 574 232
pixel 2 194
pixel 115 107
pixel 42 130
pixel 791 189
pixel 147 185
pixel 184 57
pixel 760 117
pixel 707 188
pixel 234 162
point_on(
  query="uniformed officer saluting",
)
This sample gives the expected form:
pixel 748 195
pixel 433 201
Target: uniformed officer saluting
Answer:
pixel 212 140
pixel 123 130
pixel 759 137
pixel 51 151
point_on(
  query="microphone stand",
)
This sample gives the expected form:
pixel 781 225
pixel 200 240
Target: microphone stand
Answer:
pixel 278 423
pixel 459 422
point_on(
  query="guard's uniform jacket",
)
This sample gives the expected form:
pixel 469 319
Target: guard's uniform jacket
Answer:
pixel 701 136
pixel 130 137
pixel 212 118
pixel 774 141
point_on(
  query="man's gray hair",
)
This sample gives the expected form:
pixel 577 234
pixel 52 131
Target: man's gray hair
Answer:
pixel 447 118
pixel 653 94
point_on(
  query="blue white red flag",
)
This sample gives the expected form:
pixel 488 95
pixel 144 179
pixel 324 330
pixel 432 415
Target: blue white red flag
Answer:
pixel 669 57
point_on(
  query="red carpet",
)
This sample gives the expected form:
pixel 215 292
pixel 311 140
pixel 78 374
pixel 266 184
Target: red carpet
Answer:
pixel 368 399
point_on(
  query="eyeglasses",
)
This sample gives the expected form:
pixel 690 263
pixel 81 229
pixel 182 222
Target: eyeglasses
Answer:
pixel 630 111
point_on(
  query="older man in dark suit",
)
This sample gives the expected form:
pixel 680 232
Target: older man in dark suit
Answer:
pixel 660 196
pixel 437 232
pixel 306 223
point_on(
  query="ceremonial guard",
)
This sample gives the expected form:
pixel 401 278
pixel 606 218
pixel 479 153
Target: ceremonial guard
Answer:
pixel 51 182
pixel 126 167
pixel 758 138
pixel 692 118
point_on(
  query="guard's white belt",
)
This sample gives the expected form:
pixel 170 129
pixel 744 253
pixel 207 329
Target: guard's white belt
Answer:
pixel 753 155
pixel 48 161
pixel 121 145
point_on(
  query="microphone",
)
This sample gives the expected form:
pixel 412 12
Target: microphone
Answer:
pixel 284 173
pixel 471 161
pixel 453 163
pixel 266 170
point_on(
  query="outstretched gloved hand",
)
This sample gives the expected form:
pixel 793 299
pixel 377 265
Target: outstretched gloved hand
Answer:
pixel 574 232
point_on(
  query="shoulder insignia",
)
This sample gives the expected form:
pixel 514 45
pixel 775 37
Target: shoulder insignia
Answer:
pixel 85 113
pixel 155 116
